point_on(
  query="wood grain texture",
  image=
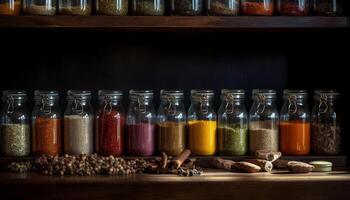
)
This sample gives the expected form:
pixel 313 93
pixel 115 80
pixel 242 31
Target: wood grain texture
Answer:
pixel 214 184
pixel 172 23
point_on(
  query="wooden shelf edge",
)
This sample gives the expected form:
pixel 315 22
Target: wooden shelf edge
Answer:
pixel 173 22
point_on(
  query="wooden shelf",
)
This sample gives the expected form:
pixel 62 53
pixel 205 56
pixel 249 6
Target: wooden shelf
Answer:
pixel 213 184
pixel 172 23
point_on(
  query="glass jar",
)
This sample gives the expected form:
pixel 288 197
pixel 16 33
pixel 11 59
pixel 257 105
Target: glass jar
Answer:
pixel 110 121
pixel 223 7
pixel 202 123
pixel 257 7
pixel 74 7
pixel 171 122
pixel 148 7
pixel 327 7
pixel 112 7
pixel 292 7
pixel 46 124
pixel 263 121
pixel 10 7
pixel 78 123
pixel 186 7
pixel 140 124
pixel 39 7
pixel 232 123
pixel 15 131
pixel 326 135
pixel 295 123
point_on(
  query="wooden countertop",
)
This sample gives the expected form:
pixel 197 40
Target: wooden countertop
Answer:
pixel 214 184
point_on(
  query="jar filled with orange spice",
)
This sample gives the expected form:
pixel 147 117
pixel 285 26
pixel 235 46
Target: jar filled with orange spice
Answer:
pixel 46 124
pixel 295 123
pixel 257 7
pixel 10 7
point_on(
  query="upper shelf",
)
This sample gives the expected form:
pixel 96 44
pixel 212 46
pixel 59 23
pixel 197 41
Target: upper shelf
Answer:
pixel 172 23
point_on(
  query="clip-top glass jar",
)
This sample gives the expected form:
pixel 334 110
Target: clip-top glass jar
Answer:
pixel 78 123
pixel 232 123
pixel 263 121
pixel 110 121
pixel 187 7
pixel 148 7
pixel 112 7
pixel 257 7
pixel 327 7
pixel 293 7
pixel 140 123
pixel 223 7
pixel 46 124
pixel 74 7
pixel 15 131
pixel 326 135
pixel 295 123
pixel 171 122
pixel 202 123
pixel 39 7
pixel 10 7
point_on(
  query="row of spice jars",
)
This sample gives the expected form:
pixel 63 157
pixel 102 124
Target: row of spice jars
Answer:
pixel 229 133
pixel 178 7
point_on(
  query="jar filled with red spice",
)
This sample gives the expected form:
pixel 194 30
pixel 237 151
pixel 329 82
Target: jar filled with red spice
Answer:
pixel 295 123
pixel 10 7
pixel 292 7
pixel 257 7
pixel 46 124
pixel 110 121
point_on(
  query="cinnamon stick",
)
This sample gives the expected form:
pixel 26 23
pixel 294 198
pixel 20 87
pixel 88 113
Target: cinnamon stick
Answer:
pixel 164 162
pixel 299 167
pixel 265 165
pixel 178 160
pixel 222 163
pixel 245 167
pixel 281 164
pixel 268 155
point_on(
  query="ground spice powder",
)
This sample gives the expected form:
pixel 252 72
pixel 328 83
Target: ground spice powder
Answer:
pixel 202 137
pixel 295 138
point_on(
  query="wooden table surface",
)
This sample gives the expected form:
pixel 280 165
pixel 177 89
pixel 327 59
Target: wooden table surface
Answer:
pixel 214 184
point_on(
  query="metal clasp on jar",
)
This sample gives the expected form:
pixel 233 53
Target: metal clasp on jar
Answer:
pixel 261 104
pixel 45 106
pixel 292 106
pixel 203 107
pixel 171 109
pixel 230 104
pixel 323 107
pixel 78 106
pixel 10 107
pixel 107 104
pixel 141 104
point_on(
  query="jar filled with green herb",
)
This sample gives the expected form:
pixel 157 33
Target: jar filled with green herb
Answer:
pixel 187 7
pixel 223 7
pixel 15 131
pixel 39 7
pixel 232 123
pixel 112 7
pixel 74 7
pixel 148 7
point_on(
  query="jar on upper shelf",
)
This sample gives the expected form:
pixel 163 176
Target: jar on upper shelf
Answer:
pixel 15 119
pixel 148 7
pixel 141 123
pixel 10 7
pixel 112 7
pixel 232 123
pixel 263 121
pixel 110 121
pixel 292 7
pixel 187 7
pixel 171 122
pixel 46 124
pixel 327 7
pixel 78 123
pixel 295 123
pixel 74 7
pixel 223 7
pixel 39 7
pixel 326 134
pixel 257 7
pixel 202 123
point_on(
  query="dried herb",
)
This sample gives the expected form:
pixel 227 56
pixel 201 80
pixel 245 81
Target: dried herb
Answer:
pixel 293 7
pixel 232 141
pixel 10 7
pixel 326 138
pixel 75 10
pixel 223 7
pixel 257 7
pixel 15 139
pixel 149 7
pixel 112 7
pixel 187 7
pixel 20 167
pixel 39 10
pixel 327 8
